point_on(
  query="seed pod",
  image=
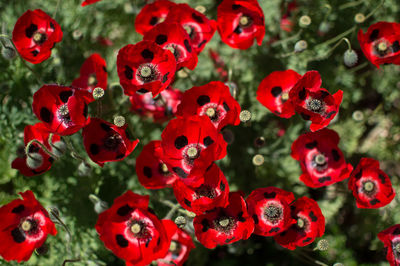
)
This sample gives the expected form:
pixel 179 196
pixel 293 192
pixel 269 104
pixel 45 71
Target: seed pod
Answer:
pixel 350 58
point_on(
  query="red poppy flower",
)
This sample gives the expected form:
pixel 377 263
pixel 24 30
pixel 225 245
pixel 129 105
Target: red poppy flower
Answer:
pixel 132 231
pixel 172 36
pixel 89 2
pixel 370 185
pixel 62 109
pixel 223 226
pixel 105 142
pixel 381 43
pixel 240 22
pixel 212 193
pixel 152 14
pixel 321 160
pixel 391 239
pixel 93 74
pixel 310 224
pixel 313 102
pixel 287 18
pixel 198 26
pixel 24 226
pixel 160 109
pixel 190 144
pixel 180 247
pixel 152 172
pixel 213 100
pixel 270 210
pixel 35 34
pixel 145 67
pixel 273 92
pixel 40 133
pixel 219 65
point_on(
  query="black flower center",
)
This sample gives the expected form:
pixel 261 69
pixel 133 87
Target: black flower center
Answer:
pixel 39 38
pixel 245 21
pixel 29 226
pixel 206 191
pixel 224 224
pixel 63 114
pixel 319 162
pixel 315 105
pixel 139 229
pixel 147 73
pixel 369 188
pixel 191 153
pixel 273 213
pixel 112 142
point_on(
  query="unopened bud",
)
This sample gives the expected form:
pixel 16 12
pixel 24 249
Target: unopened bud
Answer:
pixel 324 27
pixel 99 205
pixel 228 136
pixel 300 46
pixel 304 21
pixel 59 148
pixel 358 115
pixel 259 142
pixel 77 34
pixel 34 160
pixel 233 88
pixel 119 121
pixel 180 221
pixel 8 53
pixel 84 169
pixel 350 58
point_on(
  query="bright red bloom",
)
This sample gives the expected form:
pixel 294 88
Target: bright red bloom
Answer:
pixel 132 231
pixel 270 210
pixel 273 92
pixel 240 22
pixel 310 225
pixel 370 185
pixel 35 34
pixel 152 172
pixel 62 109
pixel 391 239
pixel 171 36
pixel 190 144
pixel 213 100
pixel 223 226
pixel 181 245
pixel 145 67
pixel 105 142
pixel 160 109
pixel 89 2
pixel 40 133
pixel 212 193
pixel 321 160
pixel 219 64
pixel 152 14
pixel 198 26
pixel 381 43
pixel 93 74
pixel 24 226
pixel 313 102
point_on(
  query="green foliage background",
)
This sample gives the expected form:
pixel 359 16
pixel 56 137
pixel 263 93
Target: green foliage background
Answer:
pixel 351 232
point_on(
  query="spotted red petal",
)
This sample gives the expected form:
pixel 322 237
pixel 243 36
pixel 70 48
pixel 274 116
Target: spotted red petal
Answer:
pixel 159 109
pixel 240 22
pixel 273 92
pixel 190 144
pixel 391 239
pixel 145 67
pixel 209 195
pixel 197 25
pixel 93 74
pixel 171 36
pixel 270 209
pixel 370 185
pixel 106 142
pixel 310 224
pixel 152 172
pixel 321 160
pixel 24 226
pixel 223 226
pixel 213 100
pixel 313 102
pixel 35 34
pixel 381 43
pixel 152 14
pixel 131 231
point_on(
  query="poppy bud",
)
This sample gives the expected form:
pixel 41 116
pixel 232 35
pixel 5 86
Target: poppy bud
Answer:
pixel 8 53
pixel 34 160
pixel 59 148
pixel 324 27
pixel 300 46
pixel 350 58
pixel 99 205
pixel 84 169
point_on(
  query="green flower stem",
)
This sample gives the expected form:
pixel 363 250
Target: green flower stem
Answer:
pixel 70 261
pixel 54 213
pixel 289 39
pixel 44 148
pixel 351 4
pixel 172 206
pixel 74 154
pixel 172 211
pixel 55 11
pixel 374 11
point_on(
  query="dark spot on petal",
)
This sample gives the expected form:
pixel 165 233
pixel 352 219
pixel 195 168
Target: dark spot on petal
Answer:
pixel 238 30
pixel 324 179
pixel 18 209
pixel 17 235
pixel 374 35
pixel 147 54
pixel 374 201
pixel 240 217
pixel 382 178
pixel 358 175
pixel 274 230
pixel 208 141
pixel 396 47
pixel 151 210
pixel 201 44
pixel 255 218
pixel 165 77
pixel 51 159
pixel 302 94
pixel 105 127
pixel 124 210
pixel 234 7
pixel 46 115
pixel 160 39
pixel 198 18
pixel 121 241
pixel 305 116
pixel 187 202
pixel 269 195
pixel 94 149
pixel 336 155
pixel 180 172
pixel 226 107
pixel 187 45
pixel 323 94
pixel 64 96
pixel 311 145
pixel 205 225
pixel 85 110
pixel 35 52
pixel 104 69
pixel 276 91
pixel 181 142
pixel 330 114
pixel 313 217
pixel 148 242
pixel 33 148
pixel 128 72
pixel 203 99
pixel 396 231
pixel 30 30
pixel 307 239
pixel 153 21
pixel 142 90
pixel 229 239
pixel 52 26
pixel 120 156
pixel 222 186
pixel 147 172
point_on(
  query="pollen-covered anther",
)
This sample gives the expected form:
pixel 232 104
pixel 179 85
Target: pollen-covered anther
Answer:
pixel 119 121
pixel 210 112
pixel 244 21
pixel 26 225
pixel 192 152
pixel 164 168
pixel 98 93
pixel 368 186
pixel 320 159
pixel 135 228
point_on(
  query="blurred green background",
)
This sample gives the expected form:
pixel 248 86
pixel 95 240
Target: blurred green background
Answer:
pixel 368 124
